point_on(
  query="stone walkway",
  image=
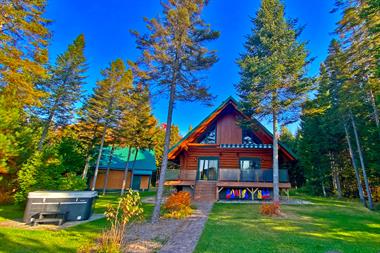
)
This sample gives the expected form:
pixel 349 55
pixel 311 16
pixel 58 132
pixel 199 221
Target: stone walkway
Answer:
pixel 186 237
pixel 168 235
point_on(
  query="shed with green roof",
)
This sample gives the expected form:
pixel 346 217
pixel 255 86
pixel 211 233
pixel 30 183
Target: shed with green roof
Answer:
pixel 140 170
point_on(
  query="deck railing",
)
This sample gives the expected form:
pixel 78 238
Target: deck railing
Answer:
pixel 177 174
pixel 264 175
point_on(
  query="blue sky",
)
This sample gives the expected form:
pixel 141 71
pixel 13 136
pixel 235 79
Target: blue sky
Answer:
pixel 106 26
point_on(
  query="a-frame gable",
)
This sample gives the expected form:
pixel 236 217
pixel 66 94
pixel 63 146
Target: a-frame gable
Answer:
pixel 195 133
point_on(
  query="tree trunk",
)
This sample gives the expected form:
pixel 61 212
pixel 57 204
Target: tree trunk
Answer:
pixel 335 176
pixel 337 183
pixel 357 175
pixel 88 155
pixel 374 107
pixel 98 160
pixel 108 170
pixel 276 190
pixel 133 167
pixel 323 189
pixel 125 173
pixel 164 165
pixel 46 129
pixel 366 182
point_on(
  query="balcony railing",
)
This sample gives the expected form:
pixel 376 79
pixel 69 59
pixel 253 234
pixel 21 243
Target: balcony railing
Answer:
pixel 264 175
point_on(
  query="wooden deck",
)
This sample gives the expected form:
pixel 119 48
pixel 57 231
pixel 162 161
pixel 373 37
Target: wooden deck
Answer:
pixel 229 184
pixel 251 184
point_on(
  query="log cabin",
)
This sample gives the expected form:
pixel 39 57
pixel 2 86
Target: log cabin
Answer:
pixel 221 160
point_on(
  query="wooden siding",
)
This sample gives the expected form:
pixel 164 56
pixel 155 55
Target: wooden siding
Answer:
pixel 227 130
pixel 115 179
pixel 144 185
pixel 228 158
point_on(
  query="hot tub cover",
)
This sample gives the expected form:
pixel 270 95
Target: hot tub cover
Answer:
pixel 63 194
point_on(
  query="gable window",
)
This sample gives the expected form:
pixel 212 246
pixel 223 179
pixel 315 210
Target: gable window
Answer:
pixel 209 137
pixel 248 137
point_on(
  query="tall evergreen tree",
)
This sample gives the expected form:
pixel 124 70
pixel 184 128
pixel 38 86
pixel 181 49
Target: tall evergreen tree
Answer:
pixel 272 70
pixel 111 95
pixel 23 50
pixel 138 129
pixel 173 53
pixel 63 87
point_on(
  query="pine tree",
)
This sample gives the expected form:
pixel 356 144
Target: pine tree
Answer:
pixel 63 87
pixel 23 50
pixel 173 53
pixel 145 129
pixel 272 69
pixel 111 95
pixel 138 128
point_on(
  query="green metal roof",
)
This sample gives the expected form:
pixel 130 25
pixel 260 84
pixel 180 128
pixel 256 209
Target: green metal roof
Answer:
pixel 145 160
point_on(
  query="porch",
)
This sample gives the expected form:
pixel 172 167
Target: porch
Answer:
pixel 247 182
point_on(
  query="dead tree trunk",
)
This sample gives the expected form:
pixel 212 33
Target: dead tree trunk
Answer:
pixel 98 159
pixel 361 158
pixel 354 165
pixel 132 168
pixel 108 169
pixel 125 172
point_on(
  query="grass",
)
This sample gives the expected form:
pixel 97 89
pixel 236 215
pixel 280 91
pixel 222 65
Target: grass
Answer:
pixel 328 225
pixel 66 240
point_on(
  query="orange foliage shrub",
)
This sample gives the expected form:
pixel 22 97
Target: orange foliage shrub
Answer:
pixel 178 205
pixel 270 209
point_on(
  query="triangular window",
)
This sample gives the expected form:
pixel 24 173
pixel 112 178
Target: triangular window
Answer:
pixel 209 137
pixel 250 138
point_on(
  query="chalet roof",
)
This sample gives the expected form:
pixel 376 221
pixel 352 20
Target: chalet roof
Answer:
pixel 145 160
pixel 229 101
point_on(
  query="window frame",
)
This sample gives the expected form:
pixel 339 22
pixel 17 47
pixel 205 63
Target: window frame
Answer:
pixel 203 135
pixel 216 158
pixel 250 159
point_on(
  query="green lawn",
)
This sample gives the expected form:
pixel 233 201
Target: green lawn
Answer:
pixel 328 225
pixel 67 240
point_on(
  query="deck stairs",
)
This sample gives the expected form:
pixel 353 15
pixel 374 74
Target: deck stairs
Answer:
pixel 205 191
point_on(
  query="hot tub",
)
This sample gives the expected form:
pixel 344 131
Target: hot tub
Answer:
pixel 74 205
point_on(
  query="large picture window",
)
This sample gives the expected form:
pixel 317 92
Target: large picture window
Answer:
pixel 248 167
pixel 209 137
pixel 208 168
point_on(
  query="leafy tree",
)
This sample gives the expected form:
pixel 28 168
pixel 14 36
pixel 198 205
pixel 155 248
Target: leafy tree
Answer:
pixel 272 69
pixel 63 87
pixel 173 53
pixel 23 50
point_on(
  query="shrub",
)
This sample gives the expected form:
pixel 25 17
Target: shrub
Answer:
pixel 270 209
pixel 128 210
pixel 178 205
